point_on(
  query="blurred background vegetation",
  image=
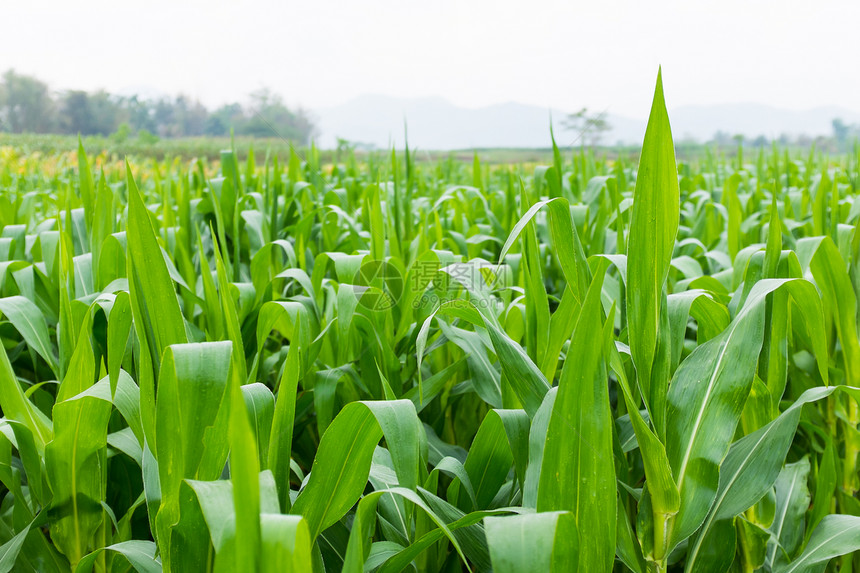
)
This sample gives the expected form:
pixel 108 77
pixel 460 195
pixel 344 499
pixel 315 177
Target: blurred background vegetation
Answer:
pixel 27 105
pixel 35 118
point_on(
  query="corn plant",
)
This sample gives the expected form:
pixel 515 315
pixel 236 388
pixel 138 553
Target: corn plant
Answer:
pixel 388 364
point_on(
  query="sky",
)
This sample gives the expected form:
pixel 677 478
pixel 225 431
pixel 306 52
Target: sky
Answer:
pixel 564 55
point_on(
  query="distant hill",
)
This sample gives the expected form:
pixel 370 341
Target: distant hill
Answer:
pixel 435 123
pixel 754 119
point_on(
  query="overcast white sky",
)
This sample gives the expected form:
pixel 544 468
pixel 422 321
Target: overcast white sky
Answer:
pixel 318 53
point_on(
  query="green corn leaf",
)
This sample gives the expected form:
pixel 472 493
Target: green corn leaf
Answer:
pixel 26 317
pixel 76 458
pixel 285 544
pixel 364 523
pixel 503 434
pixel 140 554
pixel 283 418
pixel 792 502
pixel 158 320
pixel 103 225
pixel 749 470
pixel 653 226
pixel 17 407
pixel 565 239
pixel 206 531
pixel 10 550
pixel 706 398
pixel 342 464
pixel 260 404
pixel 537 448
pixel 535 542
pixel 827 267
pixel 85 177
pixel 580 428
pixel 231 318
pixel 244 472
pixel 527 381
pixel 825 487
pixel 835 535
pixel 193 395
pixel 118 332
pixel 661 496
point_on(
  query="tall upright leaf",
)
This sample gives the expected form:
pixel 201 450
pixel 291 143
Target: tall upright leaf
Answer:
pixel 653 226
pixel 158 320
pixel 76 460
pixel 576 473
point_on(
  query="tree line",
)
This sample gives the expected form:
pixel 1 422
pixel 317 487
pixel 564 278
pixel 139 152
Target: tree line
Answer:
pixel 27 105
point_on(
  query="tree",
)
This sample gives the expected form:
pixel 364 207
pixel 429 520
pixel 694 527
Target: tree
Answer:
pixel 25 104
pixel 268 117
pixel 137 113
pixel 844 133
pixel 76 116
pixel 589 127
pixel 163 115
pixel 88 114
pixel 191 116
pixel 223 119
pixel 840 130
pixel 107 114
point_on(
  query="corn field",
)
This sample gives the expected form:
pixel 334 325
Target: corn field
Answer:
pixel 389 365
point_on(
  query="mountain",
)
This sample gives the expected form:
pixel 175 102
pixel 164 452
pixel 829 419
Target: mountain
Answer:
pixel 754 119
pixel 435 123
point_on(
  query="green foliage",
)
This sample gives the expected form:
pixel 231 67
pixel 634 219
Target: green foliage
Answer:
pixel 28 106
pixel 383 365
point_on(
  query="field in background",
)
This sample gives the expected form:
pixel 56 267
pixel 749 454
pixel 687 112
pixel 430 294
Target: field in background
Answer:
pixel 520 361
pixel 211 147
